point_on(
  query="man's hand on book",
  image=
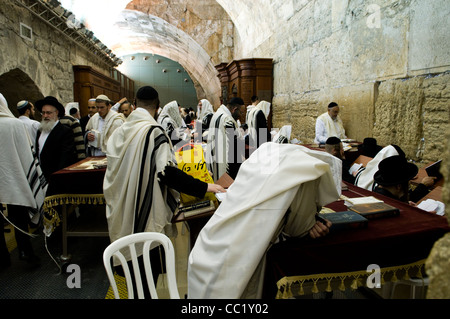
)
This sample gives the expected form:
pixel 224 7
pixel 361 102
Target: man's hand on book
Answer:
pixel 319 229
pixel 215 188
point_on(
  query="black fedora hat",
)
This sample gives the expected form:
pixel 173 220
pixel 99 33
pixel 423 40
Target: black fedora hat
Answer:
pixel 369 147
pixel 51 100
pixel 395 170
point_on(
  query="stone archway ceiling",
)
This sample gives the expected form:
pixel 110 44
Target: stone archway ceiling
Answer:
pixel 129 31
pixel 137 32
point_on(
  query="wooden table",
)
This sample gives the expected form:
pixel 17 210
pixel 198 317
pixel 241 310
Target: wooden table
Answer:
pixel 399 245
pixel 72 186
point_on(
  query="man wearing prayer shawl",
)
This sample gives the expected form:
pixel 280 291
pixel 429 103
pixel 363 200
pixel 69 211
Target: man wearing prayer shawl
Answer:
pixel 225 150
pixel 22 183
pixel 141 182
pixel 205 114
pixel 278 191
pixel 101 126
pixel 365 176
pixel 257 125
pixel 172 122
pixel 329 124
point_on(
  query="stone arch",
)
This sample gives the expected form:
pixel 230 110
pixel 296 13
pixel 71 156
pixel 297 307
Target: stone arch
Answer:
pixel 16 85
pixel 137 32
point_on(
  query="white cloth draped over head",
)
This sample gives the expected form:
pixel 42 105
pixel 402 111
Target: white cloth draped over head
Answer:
pixel 263 106
pixel 217 147
pixel 136 202
pixel 22 182
pixel 172 111
pixel 230 249
pixel 364 177
pixel 334 162
pixel 207 108
pixel 283 135
pixel 113 120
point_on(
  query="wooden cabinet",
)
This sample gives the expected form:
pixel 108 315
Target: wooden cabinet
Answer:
pixel 90 83
pixel 246 78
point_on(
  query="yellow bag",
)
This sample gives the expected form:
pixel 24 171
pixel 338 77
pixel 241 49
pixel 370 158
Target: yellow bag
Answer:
pixel 191 160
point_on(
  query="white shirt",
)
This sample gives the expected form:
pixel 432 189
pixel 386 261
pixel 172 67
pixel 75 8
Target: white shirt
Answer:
pixel 43 138
pixel 321 131
pixel 32 127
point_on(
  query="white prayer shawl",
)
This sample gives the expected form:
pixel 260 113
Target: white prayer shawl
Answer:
pixel 113 120
pixel 136 202
pixel 171 111
pixel 217 145
pixel 332 127
pixel 263 106
pixel 364 177
pixel 283 135
pixel 334 162
pixel 22 182
pixel 207 108
pixel 231 246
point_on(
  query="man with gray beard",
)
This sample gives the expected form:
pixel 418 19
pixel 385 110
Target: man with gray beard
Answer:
pixel 54 141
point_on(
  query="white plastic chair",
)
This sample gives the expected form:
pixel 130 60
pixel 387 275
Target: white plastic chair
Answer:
pixel 130 242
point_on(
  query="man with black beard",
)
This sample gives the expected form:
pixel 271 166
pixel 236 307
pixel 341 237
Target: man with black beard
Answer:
pixel 54 141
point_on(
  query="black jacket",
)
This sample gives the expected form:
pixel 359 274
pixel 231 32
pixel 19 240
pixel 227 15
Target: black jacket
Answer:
pixel 59 150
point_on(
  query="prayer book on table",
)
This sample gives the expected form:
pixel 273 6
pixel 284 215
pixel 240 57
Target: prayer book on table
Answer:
pixel 349 202
pixel 375 210
pixel 345 220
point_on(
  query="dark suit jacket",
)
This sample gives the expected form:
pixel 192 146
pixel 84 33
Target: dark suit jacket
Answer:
pixel 83 122
pixel 59 150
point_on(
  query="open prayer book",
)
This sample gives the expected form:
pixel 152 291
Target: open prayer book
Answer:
pixel 94 163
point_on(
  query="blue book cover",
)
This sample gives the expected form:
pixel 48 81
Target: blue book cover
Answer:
pixel 345 220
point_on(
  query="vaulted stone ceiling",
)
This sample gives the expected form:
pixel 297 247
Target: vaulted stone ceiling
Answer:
pixel 197 34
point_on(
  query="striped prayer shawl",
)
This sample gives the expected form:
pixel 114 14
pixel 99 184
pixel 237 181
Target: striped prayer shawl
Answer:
pixel 22 182
pixel 136 201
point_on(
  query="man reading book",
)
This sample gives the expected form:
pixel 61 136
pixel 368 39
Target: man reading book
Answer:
pixel 393 176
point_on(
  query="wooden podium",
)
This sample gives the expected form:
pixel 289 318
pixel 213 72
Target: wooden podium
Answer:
pixel 245 78
pixel 89 83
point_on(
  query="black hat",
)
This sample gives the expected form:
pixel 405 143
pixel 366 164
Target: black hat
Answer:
pixel 236 101
pixel 50 100
pixel 332 104
pixel 395 170
pixel 147 93
pixel 369 147
pixel 333 140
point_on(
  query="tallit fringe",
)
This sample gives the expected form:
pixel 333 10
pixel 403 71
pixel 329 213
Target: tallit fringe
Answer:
pixel 352 280
pixel 51 216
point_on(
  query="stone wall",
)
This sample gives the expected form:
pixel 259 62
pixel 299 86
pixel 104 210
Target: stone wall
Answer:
pixel 46 61
pixel 438 263
pixel 378 59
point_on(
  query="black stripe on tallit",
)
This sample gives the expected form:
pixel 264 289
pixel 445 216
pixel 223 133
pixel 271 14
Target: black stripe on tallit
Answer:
pixel 143 213
pixel 214 146
pixel 141 172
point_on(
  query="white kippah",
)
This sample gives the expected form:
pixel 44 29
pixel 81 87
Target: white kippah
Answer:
pixel 22 104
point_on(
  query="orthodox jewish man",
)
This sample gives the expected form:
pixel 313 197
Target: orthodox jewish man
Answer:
pixel 329 124
pixel 54 141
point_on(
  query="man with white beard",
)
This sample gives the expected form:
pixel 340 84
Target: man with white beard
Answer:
pixel 54 141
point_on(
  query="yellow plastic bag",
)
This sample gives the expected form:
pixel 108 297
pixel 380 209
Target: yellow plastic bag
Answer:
pixel 191 160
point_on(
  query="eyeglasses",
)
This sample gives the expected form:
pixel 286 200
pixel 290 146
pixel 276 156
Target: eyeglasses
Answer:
pixel 47 112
